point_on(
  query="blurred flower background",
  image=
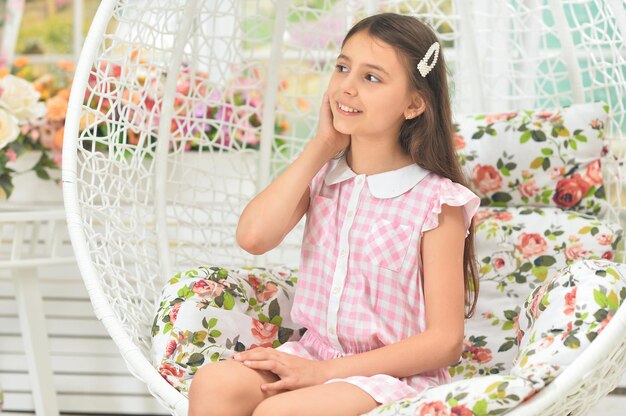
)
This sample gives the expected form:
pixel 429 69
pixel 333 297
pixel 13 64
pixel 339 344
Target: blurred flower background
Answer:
pixel 33 104
pixel 36 75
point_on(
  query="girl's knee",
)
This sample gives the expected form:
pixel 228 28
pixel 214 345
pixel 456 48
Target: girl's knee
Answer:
pixel 226 388
pixel 214 389
pixel 276 406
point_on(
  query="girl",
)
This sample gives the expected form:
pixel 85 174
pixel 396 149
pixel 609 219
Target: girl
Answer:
pixel 387 255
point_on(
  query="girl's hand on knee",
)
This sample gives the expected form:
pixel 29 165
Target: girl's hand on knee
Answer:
pixel 294 372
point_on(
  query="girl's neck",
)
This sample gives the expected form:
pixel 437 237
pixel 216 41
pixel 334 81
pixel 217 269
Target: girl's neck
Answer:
pixel 370 157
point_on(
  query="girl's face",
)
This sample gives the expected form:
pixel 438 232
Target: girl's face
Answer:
pixel 369 90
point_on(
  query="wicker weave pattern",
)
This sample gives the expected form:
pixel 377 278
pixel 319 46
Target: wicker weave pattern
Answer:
pixel 140 208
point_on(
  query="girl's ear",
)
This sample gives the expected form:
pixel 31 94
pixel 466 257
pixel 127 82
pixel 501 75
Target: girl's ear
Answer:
pixel 415 108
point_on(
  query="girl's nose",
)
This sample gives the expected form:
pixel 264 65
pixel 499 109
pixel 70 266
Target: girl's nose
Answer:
pixel 348 87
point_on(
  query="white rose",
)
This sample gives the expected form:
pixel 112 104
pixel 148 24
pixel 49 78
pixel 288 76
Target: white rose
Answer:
pixel 20 98
pixel 503 263
pixel 9 129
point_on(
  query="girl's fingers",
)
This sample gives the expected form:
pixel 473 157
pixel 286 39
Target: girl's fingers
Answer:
pixel 267 365
pixel 254 354
pixel 275 386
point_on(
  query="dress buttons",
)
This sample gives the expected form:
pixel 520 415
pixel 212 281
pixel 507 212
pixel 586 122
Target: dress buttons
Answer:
pixel 336 289
pixel 331 330
pixel 343 252
pixel 350 213
pixel 359 179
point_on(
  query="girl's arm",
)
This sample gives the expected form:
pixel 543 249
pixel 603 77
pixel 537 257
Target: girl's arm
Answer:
pixel 441 344
pixel 269 216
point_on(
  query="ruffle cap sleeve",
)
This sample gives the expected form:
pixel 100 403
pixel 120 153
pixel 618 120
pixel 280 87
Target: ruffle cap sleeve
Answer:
pixel 318 180
pixel 453 194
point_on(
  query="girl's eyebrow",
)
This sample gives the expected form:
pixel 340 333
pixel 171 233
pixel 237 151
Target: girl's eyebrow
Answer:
pixel 376 67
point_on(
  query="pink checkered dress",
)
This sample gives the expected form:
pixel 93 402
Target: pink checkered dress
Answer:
pixel 359 285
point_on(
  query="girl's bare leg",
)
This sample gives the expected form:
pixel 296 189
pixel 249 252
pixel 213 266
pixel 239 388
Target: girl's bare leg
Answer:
pixel 337 398
pixel 227 388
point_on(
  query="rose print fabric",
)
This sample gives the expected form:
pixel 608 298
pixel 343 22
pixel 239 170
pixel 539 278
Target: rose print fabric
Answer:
pixel 564 315
pixel 359 284
pixel 517 249
pixel 559 320
pixel 536 158
pixel 208 313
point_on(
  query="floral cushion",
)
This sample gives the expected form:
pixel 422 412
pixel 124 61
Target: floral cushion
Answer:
pixel 206 314
pixel 565 314
pixel 488 395
pixel 532 158
pixel 561 318
pixel 517 249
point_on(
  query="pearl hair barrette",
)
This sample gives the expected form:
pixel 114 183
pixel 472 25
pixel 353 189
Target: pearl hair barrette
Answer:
pixel 423 65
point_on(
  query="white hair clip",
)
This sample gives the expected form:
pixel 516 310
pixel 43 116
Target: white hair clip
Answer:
pixel 423 66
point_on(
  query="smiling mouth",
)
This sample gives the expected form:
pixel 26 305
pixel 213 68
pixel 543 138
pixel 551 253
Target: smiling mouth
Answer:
pixel 345 109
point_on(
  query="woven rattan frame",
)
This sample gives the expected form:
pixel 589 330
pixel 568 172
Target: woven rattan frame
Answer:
pixel 139 208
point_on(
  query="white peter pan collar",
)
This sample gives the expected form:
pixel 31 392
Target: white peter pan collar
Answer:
pixel 383 185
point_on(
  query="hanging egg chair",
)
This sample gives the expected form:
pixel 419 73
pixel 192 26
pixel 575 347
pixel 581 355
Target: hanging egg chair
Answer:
pixel 181 111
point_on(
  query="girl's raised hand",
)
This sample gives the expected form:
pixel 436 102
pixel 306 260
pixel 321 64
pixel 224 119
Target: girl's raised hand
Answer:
pixel 294 372
pixel 326 131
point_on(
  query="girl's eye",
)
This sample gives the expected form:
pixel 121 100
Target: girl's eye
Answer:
pixel 341 68
pixel 372 78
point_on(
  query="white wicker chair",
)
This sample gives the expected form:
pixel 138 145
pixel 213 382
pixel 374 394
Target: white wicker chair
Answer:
pixel 139 208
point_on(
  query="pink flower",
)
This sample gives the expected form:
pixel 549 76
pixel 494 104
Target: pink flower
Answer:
pixel 437 408
pixel 604 323
pixel 492 118
pixel 482 215
pixel 544 115
pixel 604 239
pixel 170 373
pixel 503 216
pixel 528 188
pixel 207 289
pixel 171 347
pixel 575 251
pixel 531 245
pixel 567 331
pixel 461 410
pixel 174 312
pixel 503 263
pixel 486 178
pixel 459 141
pixel 536 301
pixel 263 292
pixel 546 342
pixel 569 191
pixel 597 124
pixel 593 173
pixel 556 172
pixel 11 155
pixel 481 355
pixel 570 302
pixel 264 331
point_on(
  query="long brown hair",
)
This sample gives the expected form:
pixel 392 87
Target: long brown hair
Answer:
pixel 428 138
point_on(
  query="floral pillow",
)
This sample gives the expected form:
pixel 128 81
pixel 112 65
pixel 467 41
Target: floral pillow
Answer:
pixel 517 250
pixel 564 315
pixel 536 158
pixel 206 314
pixel 489 395
pixel 561 319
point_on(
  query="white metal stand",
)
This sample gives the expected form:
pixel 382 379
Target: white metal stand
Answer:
pixel 37 237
